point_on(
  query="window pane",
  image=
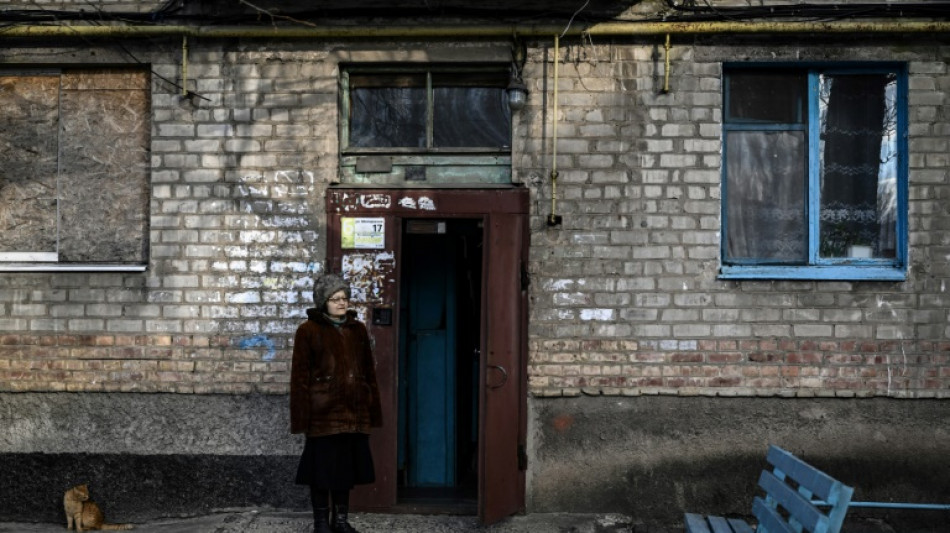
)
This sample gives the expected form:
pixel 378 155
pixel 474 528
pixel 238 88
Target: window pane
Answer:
pixel 766 97
pixel 471 110
pixel 388 111
pixel 765 188
pixel 858 164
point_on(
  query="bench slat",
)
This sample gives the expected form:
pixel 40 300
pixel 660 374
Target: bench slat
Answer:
pixel 787 505
pixel 740 526
pixel 816 481
pixel 696 524
pixel 769 519
pixel 798 506
pixel 719 524
pixel 715 524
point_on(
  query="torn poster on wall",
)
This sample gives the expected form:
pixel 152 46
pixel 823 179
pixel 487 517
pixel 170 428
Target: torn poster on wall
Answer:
pixel 370 276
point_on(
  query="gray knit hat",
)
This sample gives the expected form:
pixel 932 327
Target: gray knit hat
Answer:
pixel 326 286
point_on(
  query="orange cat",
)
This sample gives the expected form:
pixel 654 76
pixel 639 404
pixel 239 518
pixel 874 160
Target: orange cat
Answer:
pixel 83 512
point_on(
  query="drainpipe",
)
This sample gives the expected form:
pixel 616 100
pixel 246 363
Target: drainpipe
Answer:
pixel 607 29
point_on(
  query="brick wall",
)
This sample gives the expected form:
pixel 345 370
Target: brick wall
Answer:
pixel 141 363
pixel 625 298
pixel 236 234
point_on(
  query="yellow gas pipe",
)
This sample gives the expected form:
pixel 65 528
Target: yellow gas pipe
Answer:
pixel 606 29
pixel 666 69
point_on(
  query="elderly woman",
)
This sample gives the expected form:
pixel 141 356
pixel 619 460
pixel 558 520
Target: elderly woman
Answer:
pixel 334 401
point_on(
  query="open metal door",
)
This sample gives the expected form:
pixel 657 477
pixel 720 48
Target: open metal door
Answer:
pixel 502 458
pixel 372 271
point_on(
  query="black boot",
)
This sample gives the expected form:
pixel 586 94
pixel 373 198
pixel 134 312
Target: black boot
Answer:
pixel 321 522
pixel 320 501
pixel 340 524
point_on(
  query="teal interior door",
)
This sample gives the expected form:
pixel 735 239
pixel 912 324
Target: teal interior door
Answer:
pixel 430 363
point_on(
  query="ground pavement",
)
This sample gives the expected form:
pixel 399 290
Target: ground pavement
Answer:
pixel 262 521
pixel 295 522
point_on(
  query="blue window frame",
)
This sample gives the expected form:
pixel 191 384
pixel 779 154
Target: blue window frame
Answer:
pixel 814 179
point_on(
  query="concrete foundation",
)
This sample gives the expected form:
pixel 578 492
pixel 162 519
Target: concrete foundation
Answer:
pixel 147 455
pixel 652 457
pixel 658 456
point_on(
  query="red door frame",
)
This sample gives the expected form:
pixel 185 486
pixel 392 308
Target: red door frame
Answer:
pixel 503 371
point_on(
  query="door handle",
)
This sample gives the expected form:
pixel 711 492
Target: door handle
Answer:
pixel 504 376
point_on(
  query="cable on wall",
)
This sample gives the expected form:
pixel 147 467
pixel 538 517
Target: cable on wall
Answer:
pixel 554 219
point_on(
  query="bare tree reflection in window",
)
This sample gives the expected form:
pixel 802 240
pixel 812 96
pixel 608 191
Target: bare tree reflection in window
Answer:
pixel 858 165
pixel 388 111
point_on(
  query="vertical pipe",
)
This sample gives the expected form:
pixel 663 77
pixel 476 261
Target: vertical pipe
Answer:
pixel 553 219
pixel 666 68
pixel 184 65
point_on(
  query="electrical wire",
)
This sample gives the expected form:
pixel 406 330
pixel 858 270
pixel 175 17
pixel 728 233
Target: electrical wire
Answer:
pixel 571 21
pixel 165 8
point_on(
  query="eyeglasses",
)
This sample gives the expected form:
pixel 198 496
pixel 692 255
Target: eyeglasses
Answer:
pixel 341 299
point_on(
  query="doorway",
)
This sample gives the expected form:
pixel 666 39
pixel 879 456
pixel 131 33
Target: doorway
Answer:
pixel 439 341
pixel 460 255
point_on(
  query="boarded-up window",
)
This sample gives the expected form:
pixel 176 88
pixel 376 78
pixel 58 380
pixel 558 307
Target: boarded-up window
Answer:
pixel 74 166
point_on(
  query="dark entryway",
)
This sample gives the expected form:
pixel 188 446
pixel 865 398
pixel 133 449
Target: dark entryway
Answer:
pixel 438 363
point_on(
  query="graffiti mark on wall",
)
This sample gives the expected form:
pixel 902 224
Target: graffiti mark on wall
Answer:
pixel 259 341
pixel 346 202
pixel 426 203
pixel 370 275
pixel 293 176
pixel 376 201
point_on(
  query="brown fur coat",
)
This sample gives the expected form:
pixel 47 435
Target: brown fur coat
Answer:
pixel 333 386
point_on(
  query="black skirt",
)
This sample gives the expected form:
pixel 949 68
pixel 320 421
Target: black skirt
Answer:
pixel 336 462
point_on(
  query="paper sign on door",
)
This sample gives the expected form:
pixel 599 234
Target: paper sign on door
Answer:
pixel 366 233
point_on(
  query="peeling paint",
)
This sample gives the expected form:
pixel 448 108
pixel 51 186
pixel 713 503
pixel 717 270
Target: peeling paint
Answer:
pixel 597 314
pixel 558 284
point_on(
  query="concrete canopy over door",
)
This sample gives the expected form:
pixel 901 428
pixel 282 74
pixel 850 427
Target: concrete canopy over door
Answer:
pixel 371 263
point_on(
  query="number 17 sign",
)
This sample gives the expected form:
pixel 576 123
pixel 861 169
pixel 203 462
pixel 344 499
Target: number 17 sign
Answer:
pixel 366 233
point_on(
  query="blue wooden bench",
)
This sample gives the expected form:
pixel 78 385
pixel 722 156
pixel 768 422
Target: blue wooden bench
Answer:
pixel 798 497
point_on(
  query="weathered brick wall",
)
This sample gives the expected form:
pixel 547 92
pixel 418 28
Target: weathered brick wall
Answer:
pixel 236 233
pixel 141 363
pixel 625 298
